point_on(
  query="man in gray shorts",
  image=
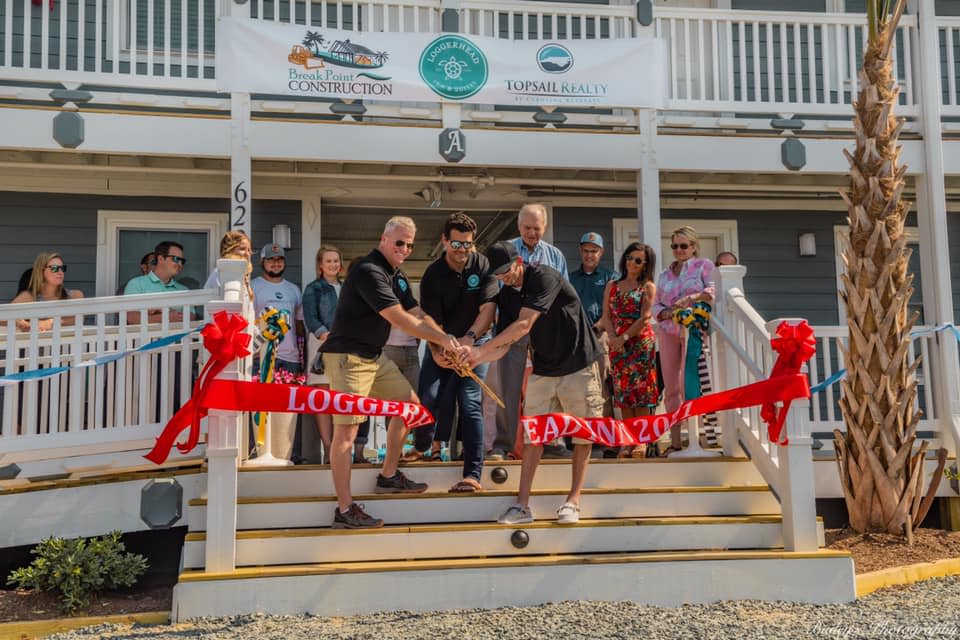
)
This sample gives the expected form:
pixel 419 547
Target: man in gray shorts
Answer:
pixel 564 378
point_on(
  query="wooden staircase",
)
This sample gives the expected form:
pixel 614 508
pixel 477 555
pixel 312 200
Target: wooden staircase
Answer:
pixel 657 531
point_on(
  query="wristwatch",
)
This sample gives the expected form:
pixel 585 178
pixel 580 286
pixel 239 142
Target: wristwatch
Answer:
pixel 471 334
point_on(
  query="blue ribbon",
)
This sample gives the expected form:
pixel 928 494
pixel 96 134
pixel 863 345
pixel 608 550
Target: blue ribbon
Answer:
pixel 39 374
pixel 915 334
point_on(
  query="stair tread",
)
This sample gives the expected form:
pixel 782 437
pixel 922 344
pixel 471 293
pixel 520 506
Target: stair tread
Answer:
pixel 494 493
pixel 248 534
pixel 503 463
pixel 272 571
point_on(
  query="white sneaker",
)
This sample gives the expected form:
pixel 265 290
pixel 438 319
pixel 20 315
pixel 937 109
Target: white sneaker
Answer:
pixel 516 514
pixel 569 513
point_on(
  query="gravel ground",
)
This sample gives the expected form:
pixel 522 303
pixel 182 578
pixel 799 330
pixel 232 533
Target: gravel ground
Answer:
pixel 929 609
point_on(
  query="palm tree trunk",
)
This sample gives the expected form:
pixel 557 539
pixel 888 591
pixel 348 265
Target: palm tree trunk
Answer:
pixel 881 475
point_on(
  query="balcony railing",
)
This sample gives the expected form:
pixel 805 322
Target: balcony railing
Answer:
pixel 719 61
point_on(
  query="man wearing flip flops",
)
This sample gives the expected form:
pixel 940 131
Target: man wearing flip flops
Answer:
pixel 458 292
pixel 564 378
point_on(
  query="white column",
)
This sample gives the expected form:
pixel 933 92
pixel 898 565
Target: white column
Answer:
pixel 241 185
pixel 795 460
pixel 648 182
pixel 311 238
pixel 932 222
pixel 224 440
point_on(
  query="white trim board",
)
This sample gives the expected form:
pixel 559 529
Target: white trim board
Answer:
pixel 110 223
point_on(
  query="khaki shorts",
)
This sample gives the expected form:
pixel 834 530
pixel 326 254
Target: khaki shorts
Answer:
pixel 380 379
pixel 577 394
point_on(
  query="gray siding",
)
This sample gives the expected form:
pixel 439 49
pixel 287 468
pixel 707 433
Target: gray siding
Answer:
pixel 31 223
pixel 779 282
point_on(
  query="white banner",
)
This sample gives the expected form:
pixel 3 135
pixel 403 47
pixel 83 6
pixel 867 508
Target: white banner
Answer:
pixel 255 56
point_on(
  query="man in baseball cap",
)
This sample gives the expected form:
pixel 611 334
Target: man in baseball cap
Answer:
pixel 590 281
pixel 536 300
pixel 272 251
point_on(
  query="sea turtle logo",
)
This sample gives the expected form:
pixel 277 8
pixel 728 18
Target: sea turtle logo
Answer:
pixel 473 280
pixel 554 58
pixel 454 67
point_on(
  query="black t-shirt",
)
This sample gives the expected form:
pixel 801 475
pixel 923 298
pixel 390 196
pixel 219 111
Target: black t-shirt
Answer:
pixel 453 299
pixel 371 286
pixel 561 339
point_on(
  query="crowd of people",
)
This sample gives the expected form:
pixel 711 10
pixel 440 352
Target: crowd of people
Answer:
pixel 592 342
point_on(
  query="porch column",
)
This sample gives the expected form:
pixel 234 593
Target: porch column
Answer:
pixel 241 187
pixel 932 223
pixel 312 238
pixel 648 182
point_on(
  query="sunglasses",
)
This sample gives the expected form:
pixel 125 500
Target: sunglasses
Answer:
pixel 399 244
pixel 461 244
pixel 177 259
pixel 57 268
pixel 637 260
pixel 680 245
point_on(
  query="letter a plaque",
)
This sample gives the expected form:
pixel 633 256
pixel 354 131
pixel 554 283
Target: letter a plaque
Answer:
pixel 453 145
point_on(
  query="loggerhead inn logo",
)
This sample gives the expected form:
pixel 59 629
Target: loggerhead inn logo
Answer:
pixel 554 58
pixel 453 67
pixel 351 73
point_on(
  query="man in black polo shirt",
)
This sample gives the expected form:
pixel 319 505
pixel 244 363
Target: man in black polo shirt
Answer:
pixel 457 291
pixel 375 296
pixel 564 377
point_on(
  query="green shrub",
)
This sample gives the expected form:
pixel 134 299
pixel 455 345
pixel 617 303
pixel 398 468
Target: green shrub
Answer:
pixel 78 568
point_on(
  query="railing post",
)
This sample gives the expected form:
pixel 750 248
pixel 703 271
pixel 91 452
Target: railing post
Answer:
pixel 795 460
pixel 224 439
pixel 797 493
pixel 728 369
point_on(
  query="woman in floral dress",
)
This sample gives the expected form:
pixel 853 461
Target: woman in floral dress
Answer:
pixel 627 318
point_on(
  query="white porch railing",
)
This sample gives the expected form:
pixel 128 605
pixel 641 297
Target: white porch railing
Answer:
pixel 825 412
pixel 744 355
pixel 719 60
pixel 948 35
pixel 118 406
pixel 773 62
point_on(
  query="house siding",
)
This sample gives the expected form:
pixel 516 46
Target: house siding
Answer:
pixel 31 223
pixel 779 283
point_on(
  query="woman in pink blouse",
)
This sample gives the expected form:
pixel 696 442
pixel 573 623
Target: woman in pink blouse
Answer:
pixel 689 279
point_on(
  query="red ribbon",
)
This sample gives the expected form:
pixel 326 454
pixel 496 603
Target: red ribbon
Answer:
pixel 642 429
pixel 226 339
pixel 794 344
pixel 39 3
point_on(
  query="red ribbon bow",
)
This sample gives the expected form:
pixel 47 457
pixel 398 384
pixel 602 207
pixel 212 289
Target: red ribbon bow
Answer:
pixel 226 340
pixel 794 344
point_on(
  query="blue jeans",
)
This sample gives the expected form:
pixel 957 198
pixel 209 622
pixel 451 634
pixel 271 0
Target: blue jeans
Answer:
pixel 442 391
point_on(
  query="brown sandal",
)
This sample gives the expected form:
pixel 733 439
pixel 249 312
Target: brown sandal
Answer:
pixel 412 456
pixel 467 485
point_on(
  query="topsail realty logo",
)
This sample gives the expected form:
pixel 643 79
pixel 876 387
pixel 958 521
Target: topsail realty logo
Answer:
pixel 453 67
pixel 316 55
pixel 555 59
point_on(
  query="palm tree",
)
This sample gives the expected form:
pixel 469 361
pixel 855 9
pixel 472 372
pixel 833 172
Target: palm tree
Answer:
pixel 313 40
pixel 881 474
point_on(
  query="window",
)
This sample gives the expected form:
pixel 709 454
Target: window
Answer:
pixel 125 236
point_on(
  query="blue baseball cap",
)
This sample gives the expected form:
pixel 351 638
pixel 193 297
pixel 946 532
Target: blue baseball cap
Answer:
pixel 593 238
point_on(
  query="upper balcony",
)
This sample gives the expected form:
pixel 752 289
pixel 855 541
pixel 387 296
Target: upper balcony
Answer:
pixel 723 64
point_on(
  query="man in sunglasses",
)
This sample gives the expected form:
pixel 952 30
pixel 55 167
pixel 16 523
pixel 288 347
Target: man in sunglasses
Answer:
pixel 564 378
pixel 458 292
pixel 169 264
pixel 375 296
